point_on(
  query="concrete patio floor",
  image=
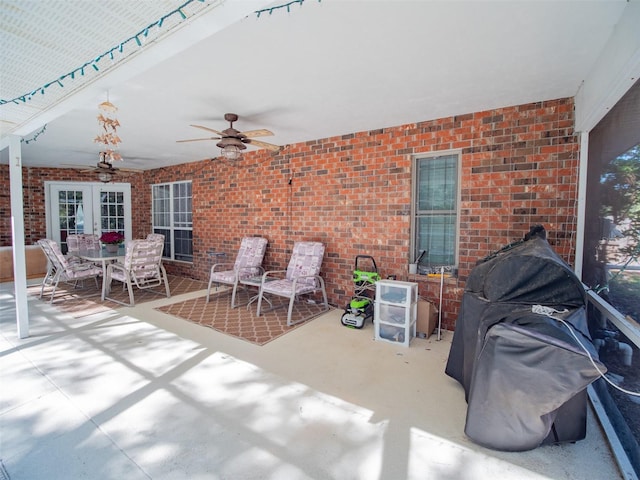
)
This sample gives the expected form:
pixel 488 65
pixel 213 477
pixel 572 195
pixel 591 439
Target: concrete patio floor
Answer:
pixel 136 394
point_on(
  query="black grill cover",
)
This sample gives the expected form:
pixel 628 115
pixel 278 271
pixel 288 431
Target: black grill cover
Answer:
pixel 524 374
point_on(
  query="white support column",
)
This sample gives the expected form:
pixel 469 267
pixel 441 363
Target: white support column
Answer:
pixel 17 232
pixel 582 200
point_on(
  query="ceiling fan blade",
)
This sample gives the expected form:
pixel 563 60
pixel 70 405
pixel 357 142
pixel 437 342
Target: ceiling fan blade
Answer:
pixel 258 143
pixel 208 129
pixel 263 132
pixel 77 167
pixel 198 139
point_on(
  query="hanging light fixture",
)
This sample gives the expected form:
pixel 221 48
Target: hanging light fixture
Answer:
pixel 231 152
pixel 231 148
pixel 105 177
pixel 105 169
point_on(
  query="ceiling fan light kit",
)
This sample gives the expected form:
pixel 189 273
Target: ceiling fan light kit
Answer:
pixel 232 152
pixel 105 177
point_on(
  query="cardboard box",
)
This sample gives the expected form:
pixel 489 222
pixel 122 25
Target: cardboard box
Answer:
pixel 427 320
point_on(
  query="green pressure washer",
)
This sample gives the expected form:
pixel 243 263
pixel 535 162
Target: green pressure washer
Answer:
pixel 360 308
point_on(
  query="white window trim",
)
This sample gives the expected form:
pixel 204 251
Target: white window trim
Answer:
pixel 414 172
pixel 172 226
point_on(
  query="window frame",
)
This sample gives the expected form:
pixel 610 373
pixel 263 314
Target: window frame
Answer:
pixel 415 214
pixel 170 243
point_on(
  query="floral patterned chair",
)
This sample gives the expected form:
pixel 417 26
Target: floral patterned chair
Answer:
pixel 60 269
pixel 81 241
pixel 248 264
pixel 142 267
pixel 302 277
pixel 156 237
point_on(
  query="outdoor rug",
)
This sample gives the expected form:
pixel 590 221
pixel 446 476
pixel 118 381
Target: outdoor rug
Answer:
pixel 242 322
pixel 83 301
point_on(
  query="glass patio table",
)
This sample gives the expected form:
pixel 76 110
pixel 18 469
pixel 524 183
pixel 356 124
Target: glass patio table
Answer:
pixel 256 282
pixel 100 255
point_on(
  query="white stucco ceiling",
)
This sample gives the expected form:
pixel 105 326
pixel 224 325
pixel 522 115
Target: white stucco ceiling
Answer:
pixel 318 70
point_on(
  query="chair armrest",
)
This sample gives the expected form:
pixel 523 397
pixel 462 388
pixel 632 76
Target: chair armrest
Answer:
pixel 251 269
pixel 227 266
pixel 317 277
pixel 78 267
pixel 271 273
pixel 116 266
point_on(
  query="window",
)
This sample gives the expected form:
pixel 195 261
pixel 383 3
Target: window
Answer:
pixel 171 213
pixel 611 260
pixel 435 210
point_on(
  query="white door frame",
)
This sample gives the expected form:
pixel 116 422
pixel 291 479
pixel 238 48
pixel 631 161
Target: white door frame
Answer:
pixel 91 200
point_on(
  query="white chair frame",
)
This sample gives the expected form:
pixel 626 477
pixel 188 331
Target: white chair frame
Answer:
pixel 142 267
pixel 300 278
pixel 60 269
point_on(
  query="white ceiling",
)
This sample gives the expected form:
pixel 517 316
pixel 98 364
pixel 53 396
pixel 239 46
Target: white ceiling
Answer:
pixel 318 70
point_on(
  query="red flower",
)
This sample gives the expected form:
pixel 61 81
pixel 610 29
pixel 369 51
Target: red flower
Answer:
pixel 112 237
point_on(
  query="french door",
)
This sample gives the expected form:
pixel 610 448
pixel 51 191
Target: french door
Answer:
pixel 82 207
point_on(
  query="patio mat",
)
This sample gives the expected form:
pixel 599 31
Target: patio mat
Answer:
pixel 80 302
pixel 241 322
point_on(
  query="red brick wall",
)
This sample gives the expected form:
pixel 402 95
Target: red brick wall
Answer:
pixel 353 192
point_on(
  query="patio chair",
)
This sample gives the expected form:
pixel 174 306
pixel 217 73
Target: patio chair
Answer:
pixel 302 277
pixel 156 236
pixel 60 269
pixel 142 267
pixel 81 241
pixel 248 264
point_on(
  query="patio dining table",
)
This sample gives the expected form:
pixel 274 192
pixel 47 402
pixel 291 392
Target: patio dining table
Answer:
pixel 102 256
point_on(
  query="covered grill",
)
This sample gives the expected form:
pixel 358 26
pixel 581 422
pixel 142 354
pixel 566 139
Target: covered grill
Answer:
pixel 522 350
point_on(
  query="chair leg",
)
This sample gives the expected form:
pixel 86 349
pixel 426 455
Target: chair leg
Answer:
pixel 233 294
pixel 291 300
pixel 47 278
pixel 259 302
pixel 55 281
pixel 324 293
pixel 166 280
pixel 44 282
pixel 209 286
pixel 130 288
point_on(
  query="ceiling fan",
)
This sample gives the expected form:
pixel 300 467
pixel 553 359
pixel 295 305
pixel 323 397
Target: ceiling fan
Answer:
pixel 105 170
pixel 232 141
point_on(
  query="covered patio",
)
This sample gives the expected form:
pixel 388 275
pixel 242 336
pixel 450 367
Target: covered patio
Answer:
pixel 357 95
pixel 135 393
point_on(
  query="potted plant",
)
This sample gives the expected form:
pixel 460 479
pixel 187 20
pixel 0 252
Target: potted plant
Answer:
pixel 112 241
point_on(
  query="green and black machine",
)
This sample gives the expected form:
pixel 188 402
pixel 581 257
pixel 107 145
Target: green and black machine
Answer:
pixel 360 308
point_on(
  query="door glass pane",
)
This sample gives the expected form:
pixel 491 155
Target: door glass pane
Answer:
pixel 71 215
pixel 113 210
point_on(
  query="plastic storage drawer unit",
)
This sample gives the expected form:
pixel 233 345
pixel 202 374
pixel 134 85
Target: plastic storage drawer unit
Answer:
pixel 396 311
